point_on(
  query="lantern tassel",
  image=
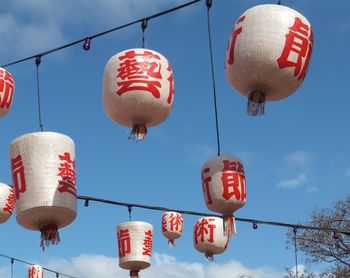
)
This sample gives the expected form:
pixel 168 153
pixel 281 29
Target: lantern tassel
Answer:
pixel 138 133
pixel 171 242
pixel 229 225
pixel 49 235
pixel 134 274
pixel 209 257
pixel 256 103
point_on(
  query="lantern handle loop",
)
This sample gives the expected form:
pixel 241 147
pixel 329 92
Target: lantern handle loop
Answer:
pixel 37 63
pixel 129 210
pixel 143 27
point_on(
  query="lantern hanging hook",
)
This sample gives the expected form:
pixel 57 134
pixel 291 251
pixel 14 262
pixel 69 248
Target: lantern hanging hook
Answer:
pixel 87 44
pixel 130 211
pixel 86 203
pixel 255 225
pixel 37 63
pixel 143 27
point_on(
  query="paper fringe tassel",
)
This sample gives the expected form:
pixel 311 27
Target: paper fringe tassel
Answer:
pixel 138 133
pixel 256 103
pixel 171 242
pixel 49 235
pixel 209 257
pixel 134 274
pixel 229 225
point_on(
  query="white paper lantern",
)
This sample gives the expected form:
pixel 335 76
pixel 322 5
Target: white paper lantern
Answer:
pixel 172 226
pixel 268 54
pixel 135 246
pixel 7 202
pixel 35 271
pixel 44 181
pixel 138 89
pixel 209 237
pixel 7 89
pixel 224 187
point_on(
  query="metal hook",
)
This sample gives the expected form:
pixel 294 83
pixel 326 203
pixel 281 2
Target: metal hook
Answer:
pixel 86 203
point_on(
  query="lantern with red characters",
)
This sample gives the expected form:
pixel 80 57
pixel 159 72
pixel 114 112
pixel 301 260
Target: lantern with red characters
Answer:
pixel 7 89
pixel 268 54
pixel 7 202
pixel 44 182
pixel 224 188
pixel 35 271
pixel 135 246
pixel 209 237
pixel 172 226
pixel 138 89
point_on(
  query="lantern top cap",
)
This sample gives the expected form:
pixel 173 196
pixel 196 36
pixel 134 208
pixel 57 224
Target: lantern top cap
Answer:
pixel 41 134
pixel 135 223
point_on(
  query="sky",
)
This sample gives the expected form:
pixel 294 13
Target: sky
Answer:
pixel 295 156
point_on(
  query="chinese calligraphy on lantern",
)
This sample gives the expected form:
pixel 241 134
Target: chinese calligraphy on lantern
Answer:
pixel 6 89
pixel 124 243
pixel 147 243
pixel 66 171
pixel 173 222
pixel 10 202
pixel 18 176
pixel 231 46
pixel 204 230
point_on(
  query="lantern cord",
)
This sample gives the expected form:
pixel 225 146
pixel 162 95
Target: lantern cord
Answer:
pixel 129 210
pixel 209 4
pixel 143 27
pixel 102 33
pixel 295 251
pixel 248 220
pixel 37 63
pixel 13 259
pixel 279 2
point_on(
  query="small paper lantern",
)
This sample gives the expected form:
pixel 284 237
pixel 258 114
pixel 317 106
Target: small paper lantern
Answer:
pixel 35 271
pixel 44 181
pixel 172 226
pixel 7 202
pixel 268 54
pixel 7 89
pixel 138 89
pixel 224 188
pixel 135 246
pixel 209 237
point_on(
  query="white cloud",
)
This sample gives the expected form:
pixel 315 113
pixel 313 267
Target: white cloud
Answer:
pixel 299 158
pixel 293 183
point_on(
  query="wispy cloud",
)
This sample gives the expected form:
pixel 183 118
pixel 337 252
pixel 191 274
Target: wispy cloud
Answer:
pixel 299 158
pixel 293 183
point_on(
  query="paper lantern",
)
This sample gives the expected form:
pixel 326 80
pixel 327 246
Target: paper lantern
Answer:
pixel 268 54
pixel 7 202
pixel 224 188
pixel 209 237
pixel 35 271
pixel 172 226
pixel 135 246
pixel 138 89
pixel 7 89
pixel 44 181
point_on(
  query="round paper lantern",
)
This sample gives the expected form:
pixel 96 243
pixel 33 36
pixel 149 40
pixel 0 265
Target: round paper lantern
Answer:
pixel 135 246
pixel 268 54
pixel 224 188
pixel 172 226
pixel 35 271
pixel 138 89
pixel 7 89
pixel 44 181
pixel 209 237
pixel 7 202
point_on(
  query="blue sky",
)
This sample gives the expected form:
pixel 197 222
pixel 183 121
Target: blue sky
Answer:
pixel 295 156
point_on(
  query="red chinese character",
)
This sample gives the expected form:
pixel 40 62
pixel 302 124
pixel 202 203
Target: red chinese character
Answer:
pixel 6 89
pixel 297 49
pixel 204 231
pixel 33 272
pixel 140 74
pixel 171 85
pixel 164 224
pixel 233 183
pixel 232 43
pixel 10 202
pixel 124 243
pixel 147 243
pixel 18 177
pixel 176 222
pixel 67 173
pixel 205 186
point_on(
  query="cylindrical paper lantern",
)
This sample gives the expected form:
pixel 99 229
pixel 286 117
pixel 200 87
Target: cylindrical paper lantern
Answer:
pixel 44 181
pixel 7 89
pixel 224 188
pixel 35 271
pixel 209 237
pixel 7 202
pixel 268 54
pixel 138 89
pixel 172 226
pixel 135 246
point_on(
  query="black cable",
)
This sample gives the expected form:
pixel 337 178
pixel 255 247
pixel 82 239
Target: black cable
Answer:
pixel 295 251
pixel 101 34
pixel 28 263
pixel 209 3
pixel 37 63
